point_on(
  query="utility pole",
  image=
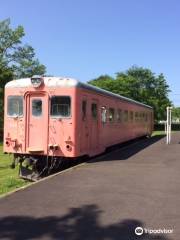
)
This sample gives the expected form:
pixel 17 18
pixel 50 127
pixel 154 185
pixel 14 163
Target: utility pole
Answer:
pixel 168 127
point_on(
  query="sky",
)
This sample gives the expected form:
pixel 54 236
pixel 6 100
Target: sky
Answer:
pixel 84 39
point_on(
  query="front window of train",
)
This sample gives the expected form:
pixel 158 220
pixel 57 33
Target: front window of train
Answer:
pixel 15 106
pixel 60 106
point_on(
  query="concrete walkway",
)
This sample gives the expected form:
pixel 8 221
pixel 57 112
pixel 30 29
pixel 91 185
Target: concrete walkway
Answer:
pixel 105 199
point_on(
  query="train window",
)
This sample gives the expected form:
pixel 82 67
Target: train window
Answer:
pixel 94 110
pixel 141 116
pixel 125 116
pixel 15 106
pixel 84 106
pixel 150 116
pixel 60 106
pixel 103 114
pixel 131 116
pixel 136 116
pixel 146 117
pixel 111 114
pixel 36 107
pixel 119 115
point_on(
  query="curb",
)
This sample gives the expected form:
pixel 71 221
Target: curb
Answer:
pixel 41 180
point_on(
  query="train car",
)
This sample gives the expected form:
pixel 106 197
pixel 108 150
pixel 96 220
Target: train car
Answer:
pixel 47 119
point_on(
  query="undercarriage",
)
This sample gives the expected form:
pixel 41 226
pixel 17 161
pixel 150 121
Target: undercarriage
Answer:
pixel 35 167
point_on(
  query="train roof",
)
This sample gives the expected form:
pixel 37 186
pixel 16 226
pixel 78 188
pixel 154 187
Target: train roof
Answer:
pixel 68 82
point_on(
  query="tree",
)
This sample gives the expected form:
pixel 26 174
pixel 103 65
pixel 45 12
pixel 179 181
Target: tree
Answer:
pixel 16 57
pixel 139 84
pixel 176 114
pixel 105 81
pixel 17 60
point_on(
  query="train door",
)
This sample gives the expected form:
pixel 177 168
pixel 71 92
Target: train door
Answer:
pixel 94 131
pixel 37 122
pixel 84 125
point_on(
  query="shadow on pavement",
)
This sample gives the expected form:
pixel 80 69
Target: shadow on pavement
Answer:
pixel 78 224
pixel 128 149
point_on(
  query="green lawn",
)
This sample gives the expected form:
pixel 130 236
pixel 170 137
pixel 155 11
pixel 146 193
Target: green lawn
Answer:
pixel 156 133
pixel 9 179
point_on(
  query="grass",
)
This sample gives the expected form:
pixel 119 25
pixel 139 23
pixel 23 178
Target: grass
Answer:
pixel 157 133
pixel 9 179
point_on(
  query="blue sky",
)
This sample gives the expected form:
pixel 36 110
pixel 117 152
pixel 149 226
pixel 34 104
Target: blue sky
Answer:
pixel 86 38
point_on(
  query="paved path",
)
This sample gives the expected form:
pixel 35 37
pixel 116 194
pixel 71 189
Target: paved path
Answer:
pixel 105 199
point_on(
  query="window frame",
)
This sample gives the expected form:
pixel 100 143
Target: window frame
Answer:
pixel 119 115
pixel 93 116
pixel 146 117
pixel 113 118
pixel 7 110
pixel 125 116
pixel 59 117
pixel 104 111
pixel 35 99
pixel 131 116
pixel 84 113
pixel 136 116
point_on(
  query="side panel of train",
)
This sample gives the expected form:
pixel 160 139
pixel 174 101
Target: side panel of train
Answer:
pixel 69 122
pixel 104 121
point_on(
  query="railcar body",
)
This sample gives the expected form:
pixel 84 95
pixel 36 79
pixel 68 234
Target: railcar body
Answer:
pixel 62 117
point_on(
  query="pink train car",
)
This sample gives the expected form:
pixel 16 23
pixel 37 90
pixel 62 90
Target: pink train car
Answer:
pixel 54 117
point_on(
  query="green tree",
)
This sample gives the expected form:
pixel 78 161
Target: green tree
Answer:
pixel 176 114
pixel 105 82
pixel 139 84
pixel 14 55
pixel 17 60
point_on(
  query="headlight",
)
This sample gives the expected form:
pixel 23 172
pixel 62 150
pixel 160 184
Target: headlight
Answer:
pixel 36 81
